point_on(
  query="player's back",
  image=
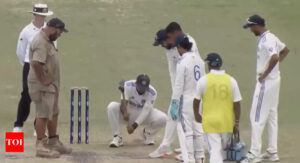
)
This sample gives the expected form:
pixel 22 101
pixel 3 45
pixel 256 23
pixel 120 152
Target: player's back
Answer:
pixel 194 69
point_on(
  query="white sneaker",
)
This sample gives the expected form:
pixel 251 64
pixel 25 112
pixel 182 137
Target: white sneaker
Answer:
pixel 270 156
pixel 177 150
pixel 116 142
pixel 178 158
pixel 148 140
pixel 250 158
pixel 161 151
pixel 35 134
pixel 17 129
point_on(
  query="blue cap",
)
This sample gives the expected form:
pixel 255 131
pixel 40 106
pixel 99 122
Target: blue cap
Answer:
pixel 254 20
pixel 161 36
pixel 181 39
pixel 214 60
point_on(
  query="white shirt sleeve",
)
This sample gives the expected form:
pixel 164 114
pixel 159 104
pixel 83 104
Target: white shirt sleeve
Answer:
pixel 146 109
pixel 145 112
pixel 55 44
pixel 273 45
pixel 202 68
pixel 179 81
pixel 21 47
pixel 126 92
pixel 172 61
pixel 235 90
pixel 280 45
pixel 201 88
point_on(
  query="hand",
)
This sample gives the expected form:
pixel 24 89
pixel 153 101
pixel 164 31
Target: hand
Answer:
pixel 198 118
pixel 174 109
pixel 126 116
pixel 261 78
pixel 236 129
pixel 130 129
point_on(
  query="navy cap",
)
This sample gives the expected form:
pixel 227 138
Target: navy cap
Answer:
pixel 254 20
pixel 181 39
pixel 57 23
pixel 143 82
pixel 161 36
pixel 214 60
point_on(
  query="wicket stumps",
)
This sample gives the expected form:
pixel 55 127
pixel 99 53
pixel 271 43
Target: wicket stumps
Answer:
pixel 79 91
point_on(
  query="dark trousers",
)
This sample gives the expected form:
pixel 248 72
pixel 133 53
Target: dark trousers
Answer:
pixel 24 103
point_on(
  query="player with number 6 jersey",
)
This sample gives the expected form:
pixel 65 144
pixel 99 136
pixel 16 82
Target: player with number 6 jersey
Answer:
pixel 189 69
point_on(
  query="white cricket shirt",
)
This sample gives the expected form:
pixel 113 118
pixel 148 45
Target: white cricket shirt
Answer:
pixel 173 55
pixel 142 103
pixel 268 45
pixel 25 39
pixel 190 68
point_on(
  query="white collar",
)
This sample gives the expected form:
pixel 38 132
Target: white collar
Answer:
pixel 36 28
pixel 262 35
pixel 219 72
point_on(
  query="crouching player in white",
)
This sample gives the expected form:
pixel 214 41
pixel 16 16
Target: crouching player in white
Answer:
pixel 135 109
pixel 188 71
pixel 221 98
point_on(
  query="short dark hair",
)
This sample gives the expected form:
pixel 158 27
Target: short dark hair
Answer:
pixel 187 45
pixel 183 41
pixel 172 27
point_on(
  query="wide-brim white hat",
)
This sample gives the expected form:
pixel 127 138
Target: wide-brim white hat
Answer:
pixel 41 9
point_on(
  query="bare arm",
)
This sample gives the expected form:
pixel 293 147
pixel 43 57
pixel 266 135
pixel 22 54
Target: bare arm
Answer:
pixel 38 69
pixel 123 109
pixel 237 111
pixel 196 105
pixel 237 114
pixel 283 53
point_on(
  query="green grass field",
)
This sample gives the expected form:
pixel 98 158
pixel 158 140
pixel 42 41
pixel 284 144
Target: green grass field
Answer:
pixel 112 39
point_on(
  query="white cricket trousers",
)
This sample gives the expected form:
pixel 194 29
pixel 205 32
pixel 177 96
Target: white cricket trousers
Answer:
pixel 216 144
pixel 193 132
pixel 155 120
pixel 264 111
pixel 170 133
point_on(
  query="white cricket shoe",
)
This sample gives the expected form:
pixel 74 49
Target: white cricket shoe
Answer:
pixel 178 158
pixel 35 134
pixel 116 142
pixel 177 150
pixel 17 129
pixel 161 151
pixel 250 158
pixel 148 140
pixel 270 156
